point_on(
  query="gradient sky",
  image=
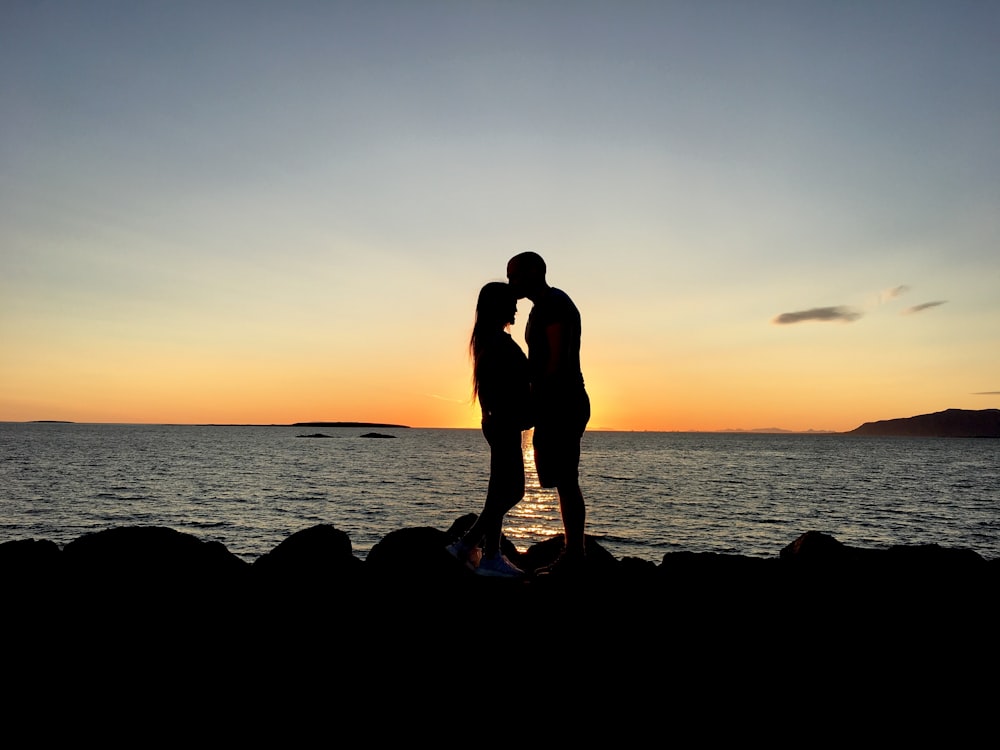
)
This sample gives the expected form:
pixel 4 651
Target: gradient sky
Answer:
pixel 771 214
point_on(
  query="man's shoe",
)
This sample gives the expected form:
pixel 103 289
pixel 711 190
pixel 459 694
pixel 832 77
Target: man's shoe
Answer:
pixel 498 567
pixel 566 565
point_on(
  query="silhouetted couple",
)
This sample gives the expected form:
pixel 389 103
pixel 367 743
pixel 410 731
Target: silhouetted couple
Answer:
pixel 544 390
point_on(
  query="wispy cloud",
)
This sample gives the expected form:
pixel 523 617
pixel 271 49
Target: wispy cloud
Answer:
pixel 986 393
pixel 889 294
pixel 448 399
pixel 920 308
pixel 840 313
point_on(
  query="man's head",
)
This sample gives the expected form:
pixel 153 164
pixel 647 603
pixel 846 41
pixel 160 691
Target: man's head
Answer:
pixel 526 274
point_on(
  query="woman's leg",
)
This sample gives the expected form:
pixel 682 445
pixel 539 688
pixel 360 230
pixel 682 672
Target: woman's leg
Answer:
pixel 505 490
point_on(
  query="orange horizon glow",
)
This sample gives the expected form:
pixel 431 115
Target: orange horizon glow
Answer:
pixel 762 383
pixel 691 390
pixel 613 409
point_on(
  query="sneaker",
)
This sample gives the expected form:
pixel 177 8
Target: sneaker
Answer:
pixel 567 564
pixel 499 567
pixel 468 556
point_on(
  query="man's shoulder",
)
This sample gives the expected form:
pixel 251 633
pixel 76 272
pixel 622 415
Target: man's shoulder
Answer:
pixel 561 301
pixel 556 296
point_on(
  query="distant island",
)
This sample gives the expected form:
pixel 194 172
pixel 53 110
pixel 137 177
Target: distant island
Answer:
pixel 349 424
pixel 778 430
pixel 982 423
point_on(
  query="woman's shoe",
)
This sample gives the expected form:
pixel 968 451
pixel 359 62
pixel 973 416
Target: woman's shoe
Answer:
pixel 499 567
pixel 468 556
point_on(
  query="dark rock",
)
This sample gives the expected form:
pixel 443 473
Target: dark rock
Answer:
pixel 22 557
pixel 152 573
pixel 31 568
pixel 316 553
pixel 414 556
pixel 814 545
pixel 923 558
pixel 149 553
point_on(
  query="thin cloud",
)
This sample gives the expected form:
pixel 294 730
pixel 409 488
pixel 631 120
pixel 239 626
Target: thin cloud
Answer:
pixel 920 308
pixel 449 399
pixel 986 393
pixel 840 313
pixel 889 294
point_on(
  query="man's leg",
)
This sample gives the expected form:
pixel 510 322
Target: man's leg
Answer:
pixel 574 517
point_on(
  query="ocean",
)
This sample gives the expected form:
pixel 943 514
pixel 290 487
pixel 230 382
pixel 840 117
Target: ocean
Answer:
pixel 648 493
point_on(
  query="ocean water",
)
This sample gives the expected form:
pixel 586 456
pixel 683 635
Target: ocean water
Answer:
pixel 648 493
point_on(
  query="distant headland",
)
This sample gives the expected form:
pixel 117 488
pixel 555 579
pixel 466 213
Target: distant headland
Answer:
pixel 982 423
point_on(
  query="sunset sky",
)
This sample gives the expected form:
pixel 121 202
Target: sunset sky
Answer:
pixel 770 214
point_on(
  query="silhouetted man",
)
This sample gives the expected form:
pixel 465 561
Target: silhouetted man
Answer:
pixel 561 406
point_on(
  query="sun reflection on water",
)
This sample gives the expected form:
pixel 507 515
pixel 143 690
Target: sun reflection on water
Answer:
pixel 536 518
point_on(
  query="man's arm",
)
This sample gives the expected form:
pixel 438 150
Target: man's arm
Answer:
pixel 555 335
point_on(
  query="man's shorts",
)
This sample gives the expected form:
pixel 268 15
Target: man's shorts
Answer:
pixel 556 441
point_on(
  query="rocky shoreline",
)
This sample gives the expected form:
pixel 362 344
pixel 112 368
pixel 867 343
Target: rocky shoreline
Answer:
pixel 145 607
pixel 144 564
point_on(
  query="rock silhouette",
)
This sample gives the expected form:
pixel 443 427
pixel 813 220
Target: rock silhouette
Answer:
pixel 984 423
pixel 156 563
pixel 153 614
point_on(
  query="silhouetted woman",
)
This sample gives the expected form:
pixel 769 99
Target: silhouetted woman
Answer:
pixel 500 382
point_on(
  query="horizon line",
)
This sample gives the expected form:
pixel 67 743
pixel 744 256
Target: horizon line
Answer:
pixel 352 424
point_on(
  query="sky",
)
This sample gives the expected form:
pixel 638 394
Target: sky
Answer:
pixel 770 214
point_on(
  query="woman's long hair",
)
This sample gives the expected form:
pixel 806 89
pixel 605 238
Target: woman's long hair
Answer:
pixel 495 310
